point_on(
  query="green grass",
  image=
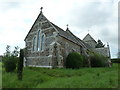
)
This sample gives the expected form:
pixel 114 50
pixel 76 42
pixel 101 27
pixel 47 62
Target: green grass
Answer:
pixel 63 78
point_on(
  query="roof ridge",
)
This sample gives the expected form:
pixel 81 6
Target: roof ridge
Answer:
pixel 76 39
pixel 57 26
pixel 90 37
pixel 41 13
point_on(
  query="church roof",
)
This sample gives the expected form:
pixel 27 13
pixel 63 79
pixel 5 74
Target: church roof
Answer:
pixel 66 34
pixel 70 36
pixel 40 15
pixel 88 37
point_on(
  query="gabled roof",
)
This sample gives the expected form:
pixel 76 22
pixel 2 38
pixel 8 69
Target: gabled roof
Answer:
pixel 66 34
pixel 70 36
pixel 40 15
pixel 80 41
pixel 88 37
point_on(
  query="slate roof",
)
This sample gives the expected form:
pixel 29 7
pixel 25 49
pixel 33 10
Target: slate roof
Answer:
pixel 41 14
pixel 90 38
pixel 71 37
pixel 64 33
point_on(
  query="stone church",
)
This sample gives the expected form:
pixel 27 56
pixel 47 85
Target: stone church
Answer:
pixel 47 45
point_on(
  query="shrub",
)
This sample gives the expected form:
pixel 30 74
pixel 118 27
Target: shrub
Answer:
pixel 98 60
pixel 10 64
pixel 74 60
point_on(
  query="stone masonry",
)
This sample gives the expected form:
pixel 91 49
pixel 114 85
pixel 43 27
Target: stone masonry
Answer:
pixel 47 45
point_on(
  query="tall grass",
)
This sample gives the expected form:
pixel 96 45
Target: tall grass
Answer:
pixel 63 78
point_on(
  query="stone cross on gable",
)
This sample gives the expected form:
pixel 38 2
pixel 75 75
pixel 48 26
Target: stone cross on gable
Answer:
pixel 67 25
pixel 41 8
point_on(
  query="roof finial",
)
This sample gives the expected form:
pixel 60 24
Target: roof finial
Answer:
pixel 41 8
pixel 67 25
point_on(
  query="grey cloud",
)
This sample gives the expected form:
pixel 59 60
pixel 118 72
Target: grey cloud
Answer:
pixel 108 35
pixel 91 14
pixel 105 32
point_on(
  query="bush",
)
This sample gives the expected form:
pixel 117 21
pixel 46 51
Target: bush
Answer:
pixel 74 60
pixel 10 63
pixel 98 60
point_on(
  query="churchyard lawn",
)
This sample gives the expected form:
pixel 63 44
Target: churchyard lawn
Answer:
pixel 63 78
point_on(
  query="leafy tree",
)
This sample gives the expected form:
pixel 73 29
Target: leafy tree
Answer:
pixel 9 64
pixel 16 52
pixel 98 60
pixel 74 60
pixel 20 64
pixel 8 52
pixel 99 44
pixel 10 59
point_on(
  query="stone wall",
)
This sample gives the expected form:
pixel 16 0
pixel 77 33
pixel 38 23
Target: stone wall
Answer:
pixel 103 51
pixel 39 58
pixel 67 47
pixel 92 43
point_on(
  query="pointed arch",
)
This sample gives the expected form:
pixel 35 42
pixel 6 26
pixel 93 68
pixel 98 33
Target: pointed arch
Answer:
pixel 42 42
pixel 34 43
pixel 38 40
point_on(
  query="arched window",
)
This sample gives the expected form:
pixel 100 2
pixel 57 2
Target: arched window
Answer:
pixel 42 42
pixel 34 43
pixel 38 41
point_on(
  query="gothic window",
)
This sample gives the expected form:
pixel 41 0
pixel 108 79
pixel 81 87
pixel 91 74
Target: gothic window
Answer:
pixel 38 41
pixel 42 42
pixel 34 43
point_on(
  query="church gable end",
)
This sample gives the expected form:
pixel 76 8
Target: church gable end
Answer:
pixel 40 23
pixel 89 40
pixel 38 41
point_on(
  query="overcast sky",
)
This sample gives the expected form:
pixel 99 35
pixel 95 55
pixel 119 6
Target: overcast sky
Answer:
pixel 100 17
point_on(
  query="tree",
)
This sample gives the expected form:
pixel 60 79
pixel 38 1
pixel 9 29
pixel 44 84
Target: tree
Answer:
pixel 98 60
pixel 10 59
pixel 99 44
pixel 8 52
pixel 9 64
pixel 20 64
pixel 74 60
pixel 15 52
